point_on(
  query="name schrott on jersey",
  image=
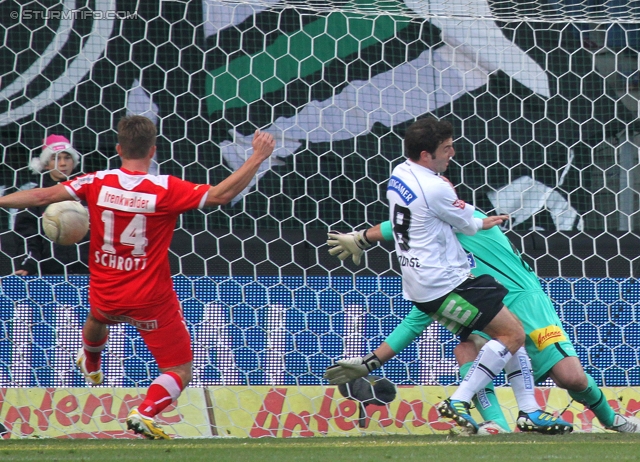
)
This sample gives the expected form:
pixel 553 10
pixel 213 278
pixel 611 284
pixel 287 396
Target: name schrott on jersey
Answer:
pixel 120 263
pixel 127 201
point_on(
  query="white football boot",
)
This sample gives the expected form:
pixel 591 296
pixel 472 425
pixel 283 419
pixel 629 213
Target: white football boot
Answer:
pixel 489 427
pixel 624 424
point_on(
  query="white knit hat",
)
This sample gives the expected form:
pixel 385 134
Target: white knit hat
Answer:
pixel 53 144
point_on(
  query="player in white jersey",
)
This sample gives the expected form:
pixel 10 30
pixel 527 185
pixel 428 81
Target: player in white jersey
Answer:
pixel 425 213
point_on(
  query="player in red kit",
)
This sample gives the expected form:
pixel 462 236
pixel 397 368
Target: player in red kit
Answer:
pixel 133 215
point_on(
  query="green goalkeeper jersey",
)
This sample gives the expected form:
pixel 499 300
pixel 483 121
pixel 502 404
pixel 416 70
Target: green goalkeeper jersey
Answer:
pixel 491 252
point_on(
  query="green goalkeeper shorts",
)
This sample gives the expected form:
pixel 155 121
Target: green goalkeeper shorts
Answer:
pixel 546 341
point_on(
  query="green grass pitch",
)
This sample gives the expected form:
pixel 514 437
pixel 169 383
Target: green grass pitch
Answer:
pixel 514 447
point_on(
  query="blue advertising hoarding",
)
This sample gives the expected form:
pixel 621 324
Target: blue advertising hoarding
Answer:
pixel 287 330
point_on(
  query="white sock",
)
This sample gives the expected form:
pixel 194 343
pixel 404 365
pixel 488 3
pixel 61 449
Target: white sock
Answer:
pixel 491 359
pixel 520 376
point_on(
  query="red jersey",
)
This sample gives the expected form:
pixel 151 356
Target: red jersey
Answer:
pixel 132 217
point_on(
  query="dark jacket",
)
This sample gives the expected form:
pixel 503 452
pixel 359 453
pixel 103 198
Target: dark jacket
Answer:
pixel 39 259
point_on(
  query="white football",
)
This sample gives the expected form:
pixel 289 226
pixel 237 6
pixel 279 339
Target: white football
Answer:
pixel 65 223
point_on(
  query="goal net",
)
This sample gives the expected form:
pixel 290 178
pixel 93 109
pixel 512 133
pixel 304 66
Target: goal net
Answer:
pixel 543 96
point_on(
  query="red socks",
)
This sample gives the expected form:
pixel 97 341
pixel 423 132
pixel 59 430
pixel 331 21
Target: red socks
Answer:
pixel 162 392
pixel 93 353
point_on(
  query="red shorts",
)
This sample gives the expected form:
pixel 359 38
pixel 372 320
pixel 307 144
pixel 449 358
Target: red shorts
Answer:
pixel 164 330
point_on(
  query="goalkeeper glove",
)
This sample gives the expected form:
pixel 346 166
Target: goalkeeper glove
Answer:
pixel 350 244
pixel 350 369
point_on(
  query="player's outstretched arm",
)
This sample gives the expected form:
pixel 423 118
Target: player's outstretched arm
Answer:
pixel 406 332
pixel 346 370
pixel 492 221
pixel 353 244
pixel 37 197
pixel 222 193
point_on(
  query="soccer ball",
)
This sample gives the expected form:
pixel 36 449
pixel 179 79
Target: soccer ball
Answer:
pixel 65 223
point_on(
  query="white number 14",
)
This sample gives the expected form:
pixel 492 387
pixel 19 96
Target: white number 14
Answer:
pixel 134 234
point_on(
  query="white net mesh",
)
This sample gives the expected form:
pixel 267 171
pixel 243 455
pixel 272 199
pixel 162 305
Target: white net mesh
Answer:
pixel 543 96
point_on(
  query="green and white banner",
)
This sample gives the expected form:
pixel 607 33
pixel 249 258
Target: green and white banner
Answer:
pixel 541 99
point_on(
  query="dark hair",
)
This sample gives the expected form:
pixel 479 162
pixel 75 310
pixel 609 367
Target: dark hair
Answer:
pixel 426 135
pixel 136 135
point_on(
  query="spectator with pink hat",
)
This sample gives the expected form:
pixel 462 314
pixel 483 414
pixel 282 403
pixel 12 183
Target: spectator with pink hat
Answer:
pixel 56 163
pixel 56 148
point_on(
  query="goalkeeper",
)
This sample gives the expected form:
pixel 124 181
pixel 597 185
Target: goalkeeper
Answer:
pixel 552 353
